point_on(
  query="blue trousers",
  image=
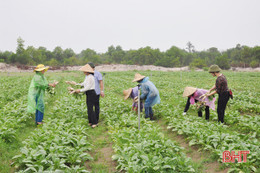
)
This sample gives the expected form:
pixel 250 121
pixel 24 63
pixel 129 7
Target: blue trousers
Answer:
pixel 148 112
pixel 38 116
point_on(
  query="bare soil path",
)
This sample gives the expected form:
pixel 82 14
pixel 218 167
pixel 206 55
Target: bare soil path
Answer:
pixel 207 164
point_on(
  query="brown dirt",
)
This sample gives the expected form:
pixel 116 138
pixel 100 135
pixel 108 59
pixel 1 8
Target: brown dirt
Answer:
pixel 104 155
pixel 193 152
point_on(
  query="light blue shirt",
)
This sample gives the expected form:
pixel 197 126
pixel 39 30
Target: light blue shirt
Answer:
pixel 98 78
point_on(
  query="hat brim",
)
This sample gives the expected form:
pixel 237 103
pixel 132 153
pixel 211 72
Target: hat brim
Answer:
pixel 137 79
pixel 188 91
pixel 128 93
pixel 41 69
pixel 86 69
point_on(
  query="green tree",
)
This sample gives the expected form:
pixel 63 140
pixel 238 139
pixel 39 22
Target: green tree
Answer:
pixel 58 54
pixel 223 61
pixel 198 62
pixel 89 55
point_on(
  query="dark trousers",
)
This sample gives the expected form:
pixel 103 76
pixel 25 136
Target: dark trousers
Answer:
pixel 38 116
pixel 91 100
pixel 97 107
pixel 148 112
pixel 222 103
pixel 206 111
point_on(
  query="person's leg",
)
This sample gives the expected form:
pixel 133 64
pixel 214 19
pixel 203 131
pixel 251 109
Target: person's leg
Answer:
pixel 219 109
pixel 146 109
pixel 207 113
pixel 222 103
pixel 88 104
pixel 97 108
pixel 36 116
pixel 151 112
pixel 199 113
pixel 40 115
pixel 91 99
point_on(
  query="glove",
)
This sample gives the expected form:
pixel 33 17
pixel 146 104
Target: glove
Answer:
pixel 136 99
pixel 184 113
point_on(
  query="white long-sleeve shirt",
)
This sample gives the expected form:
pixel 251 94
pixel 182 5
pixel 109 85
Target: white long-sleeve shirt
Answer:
pixel 88 84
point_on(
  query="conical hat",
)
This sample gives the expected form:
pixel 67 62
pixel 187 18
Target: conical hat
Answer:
pixel 188 91
pixel 138 77
pixel 127 93
pixel 41 67
pixel 87 68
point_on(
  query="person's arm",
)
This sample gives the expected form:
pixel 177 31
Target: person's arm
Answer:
pixel 144 91
pixel 213 88
pixel 101 88
pixel 212 93
pixel 80 84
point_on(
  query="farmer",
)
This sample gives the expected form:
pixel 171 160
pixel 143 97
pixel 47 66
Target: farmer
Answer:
pixel 89 88
pixel 194 96
pixel 99 88
pixel 36 93
pixel 220 87
pixel 149 93
pixel 133 92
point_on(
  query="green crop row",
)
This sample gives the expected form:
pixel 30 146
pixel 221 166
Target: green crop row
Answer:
pixel 216 138
pixel 61 144
pixel 144 150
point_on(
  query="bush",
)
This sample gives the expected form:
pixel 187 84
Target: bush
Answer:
pixel 206 68
pixel 254 64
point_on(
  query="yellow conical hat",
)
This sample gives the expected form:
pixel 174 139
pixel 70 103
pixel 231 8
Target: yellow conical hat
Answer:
pixel 138 77
pixel 188 91
pixel 87 68
pixel 127 93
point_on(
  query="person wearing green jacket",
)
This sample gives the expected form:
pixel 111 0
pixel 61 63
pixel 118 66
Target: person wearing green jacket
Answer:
pixel 37 91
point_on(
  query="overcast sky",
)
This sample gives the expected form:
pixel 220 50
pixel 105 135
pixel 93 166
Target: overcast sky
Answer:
pixel 132 24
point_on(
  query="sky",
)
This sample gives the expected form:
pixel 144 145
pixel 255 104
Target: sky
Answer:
pixel 132 24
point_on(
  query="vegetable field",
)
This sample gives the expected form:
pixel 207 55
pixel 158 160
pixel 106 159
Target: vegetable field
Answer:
pixel 65 142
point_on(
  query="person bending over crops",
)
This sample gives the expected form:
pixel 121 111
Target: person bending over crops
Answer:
pixel 37 91
pixel 149 93
pixel 195 96
pixel 99 88
pixel 220 87
pixel 89 88
pixel 133 93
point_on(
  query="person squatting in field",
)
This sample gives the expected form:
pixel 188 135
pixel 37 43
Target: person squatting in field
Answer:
pixel 133 93
pixel 36 93
pixel 149 93
pixel 221 88
pixel 99 89
pixel 91 97
pixel 195 96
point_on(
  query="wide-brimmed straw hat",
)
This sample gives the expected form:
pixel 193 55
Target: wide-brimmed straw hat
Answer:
pixel 87 68
pixel 214 68
pixel 41 67
pixel 188 91
pixel 127 93
pixel 138 77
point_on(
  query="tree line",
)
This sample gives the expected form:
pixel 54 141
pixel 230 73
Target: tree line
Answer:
pixel 239 56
